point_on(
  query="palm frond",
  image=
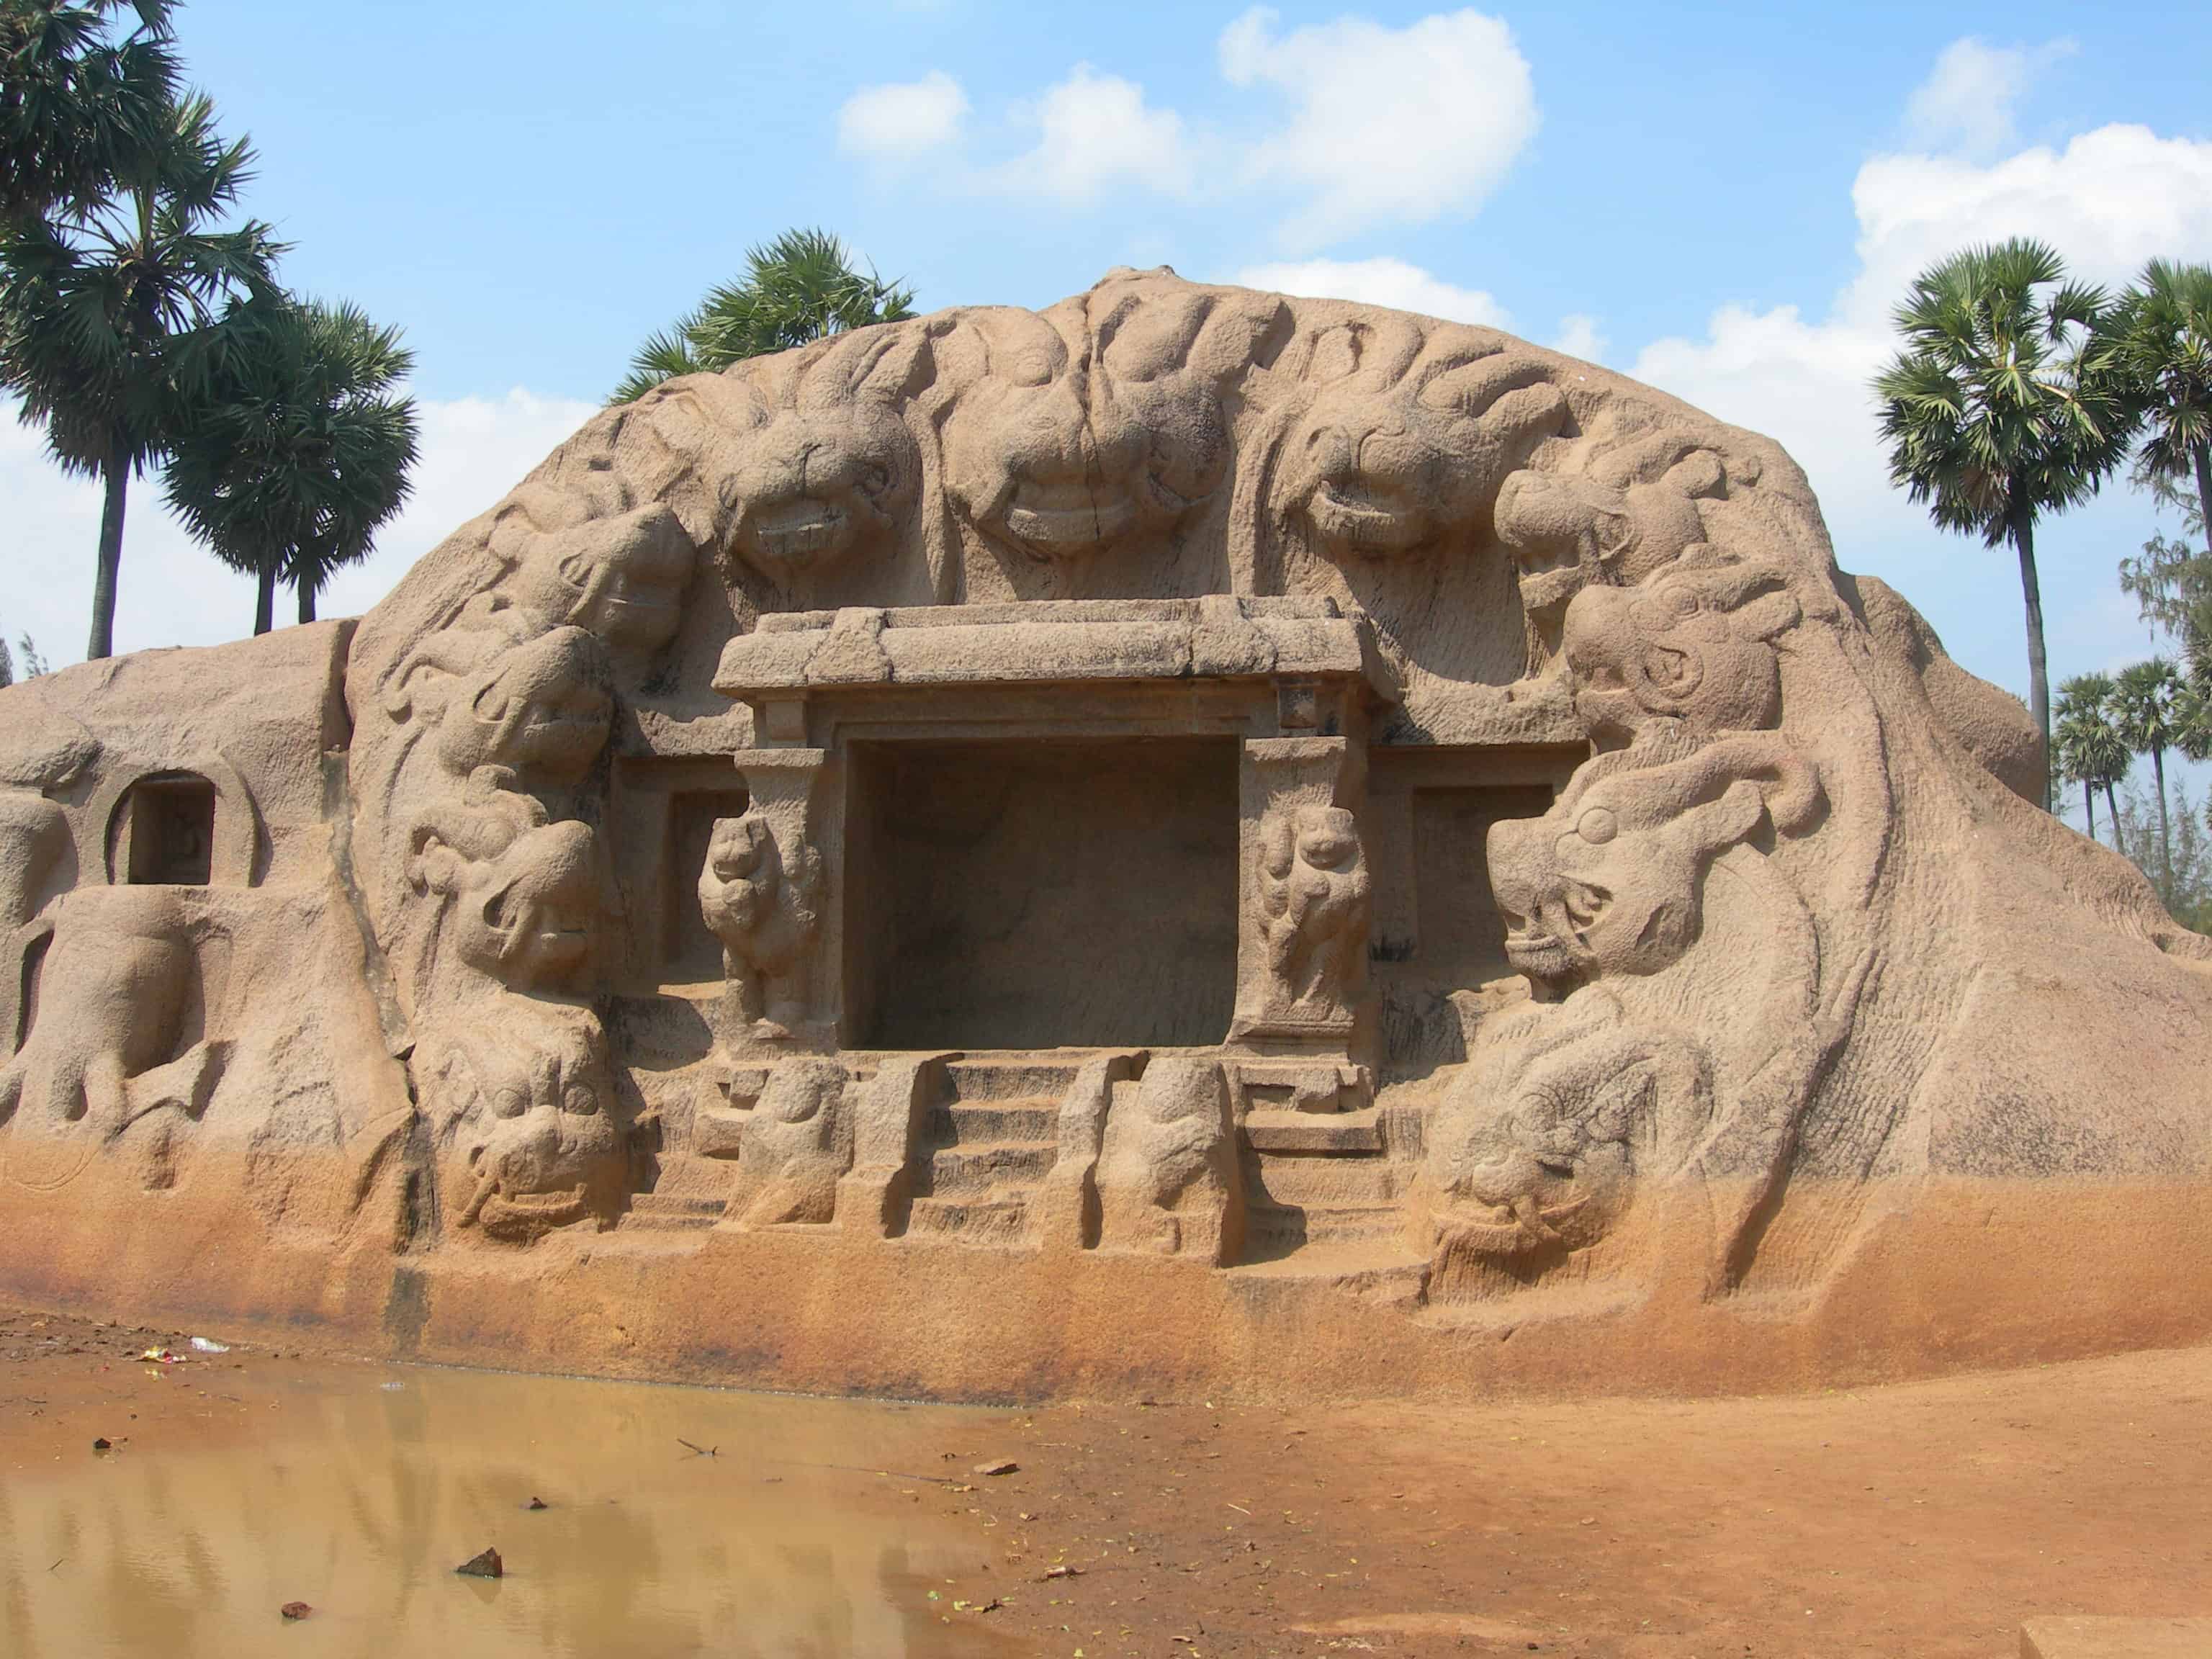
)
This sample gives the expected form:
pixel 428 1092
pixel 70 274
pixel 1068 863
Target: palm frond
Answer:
pixel 800 287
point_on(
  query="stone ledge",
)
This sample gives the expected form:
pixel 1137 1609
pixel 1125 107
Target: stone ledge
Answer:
pixel 1313 1131
pixel 2115 1638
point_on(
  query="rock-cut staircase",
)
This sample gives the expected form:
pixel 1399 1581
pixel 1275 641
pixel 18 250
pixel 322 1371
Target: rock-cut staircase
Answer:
pixel 987 1147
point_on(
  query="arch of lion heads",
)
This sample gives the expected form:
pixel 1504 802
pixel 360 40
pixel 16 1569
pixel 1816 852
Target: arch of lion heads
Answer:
pixel 1190 835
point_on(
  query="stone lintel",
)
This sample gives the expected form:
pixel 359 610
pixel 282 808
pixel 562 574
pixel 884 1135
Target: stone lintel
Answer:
pixel 1218 637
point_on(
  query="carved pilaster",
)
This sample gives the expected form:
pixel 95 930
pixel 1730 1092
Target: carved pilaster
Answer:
pixel 1302 958
pixel 767 891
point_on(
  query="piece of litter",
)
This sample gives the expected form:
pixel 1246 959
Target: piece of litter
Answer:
pixel 391 1387
pixel 1064 1571
pixel 487 1565
pixel 295 1610
pixel 997 1465
pixel 535 1504
pixel 163 1356
pixel 103 1445
pixel 204 1345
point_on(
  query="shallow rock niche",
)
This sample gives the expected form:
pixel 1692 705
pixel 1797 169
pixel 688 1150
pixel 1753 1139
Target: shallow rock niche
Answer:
pixel 1190 839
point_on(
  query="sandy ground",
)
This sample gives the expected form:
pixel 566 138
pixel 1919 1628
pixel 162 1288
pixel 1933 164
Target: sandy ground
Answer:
pixel 1924 1520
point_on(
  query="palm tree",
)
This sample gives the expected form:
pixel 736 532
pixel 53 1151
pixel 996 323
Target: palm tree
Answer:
pixel 2162 329
pixel 297 450
pixel 2003 405
pixel 800 287
pixel 104 313
pixel 75 102
pixel 2090 751
pixel 2192 703
pixel 2143 701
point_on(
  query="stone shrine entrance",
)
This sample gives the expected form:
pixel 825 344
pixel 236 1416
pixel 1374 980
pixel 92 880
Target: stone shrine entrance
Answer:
pixel 1042 894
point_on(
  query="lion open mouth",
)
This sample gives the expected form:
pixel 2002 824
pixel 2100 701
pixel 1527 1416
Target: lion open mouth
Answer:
pixel 799 530
pixel 1362 520
pixel 1071 512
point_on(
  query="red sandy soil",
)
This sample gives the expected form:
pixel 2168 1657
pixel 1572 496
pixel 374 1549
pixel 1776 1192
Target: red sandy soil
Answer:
pixel 1924 1520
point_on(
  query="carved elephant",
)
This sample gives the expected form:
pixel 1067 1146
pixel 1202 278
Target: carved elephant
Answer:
pixel 107 1039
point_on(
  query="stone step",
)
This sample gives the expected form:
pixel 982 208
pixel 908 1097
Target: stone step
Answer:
pixel 1303 1179
pixel 966 1123
pixel 1009 1079
pixel 654 1212
pixel 956 1171
pixel 998 1221
pixel 1322 1224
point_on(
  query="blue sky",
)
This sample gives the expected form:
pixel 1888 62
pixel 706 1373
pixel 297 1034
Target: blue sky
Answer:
pixel 1724 203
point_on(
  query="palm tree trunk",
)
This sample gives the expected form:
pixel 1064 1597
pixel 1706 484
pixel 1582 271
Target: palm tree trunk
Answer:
pixel 307 602
pixel 2164 833
pixel 2089 807
pixel 2202 456
pixel 116 475
pixel 264 598
pixel 2112 811
pixel 2039 677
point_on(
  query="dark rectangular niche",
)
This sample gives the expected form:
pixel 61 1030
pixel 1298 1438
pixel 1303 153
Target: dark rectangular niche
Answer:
pixel 1462 935
pixel 171 832
pixel 1458 934
pixel 1043 894
pixel 689 953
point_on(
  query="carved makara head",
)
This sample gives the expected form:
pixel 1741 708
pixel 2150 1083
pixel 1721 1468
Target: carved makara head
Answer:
pixel 520 1095
pixel 523 892
pixel 1694 647
pixel 831 468
pixel 621 577
pixel 1610 880
pixel 540 709
pixel 1541 1140
pixel 1407 441
pixel 1632 514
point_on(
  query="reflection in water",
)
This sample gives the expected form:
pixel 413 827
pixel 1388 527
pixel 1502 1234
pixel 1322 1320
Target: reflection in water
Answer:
pixel 361 1499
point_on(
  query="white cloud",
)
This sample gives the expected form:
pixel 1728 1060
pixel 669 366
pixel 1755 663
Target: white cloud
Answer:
pixel 1966 101
pixel 1095 130
pixel 1387 126
pixel 1580 337
pixel 1383 126
pixel 901 120
pixel 1381 283
pixel 172 590
pixel 2108 201
pixel 2111 199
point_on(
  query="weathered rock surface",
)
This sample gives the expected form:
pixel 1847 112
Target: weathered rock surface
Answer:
pixel 1192 836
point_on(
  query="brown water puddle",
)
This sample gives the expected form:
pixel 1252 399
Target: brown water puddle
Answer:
pixel 358 1489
